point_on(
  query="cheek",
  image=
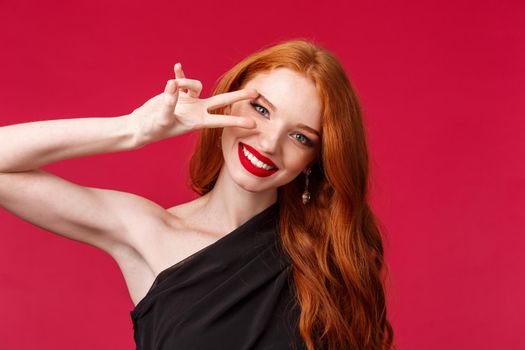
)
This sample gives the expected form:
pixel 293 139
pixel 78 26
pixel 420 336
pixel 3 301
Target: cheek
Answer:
pixel 230 137
pixel 296 160
pixel 229 134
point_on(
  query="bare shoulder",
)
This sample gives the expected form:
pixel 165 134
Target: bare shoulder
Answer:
pixel 163 240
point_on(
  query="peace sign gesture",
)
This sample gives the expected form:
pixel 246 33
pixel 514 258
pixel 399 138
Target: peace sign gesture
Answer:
pixel 179 110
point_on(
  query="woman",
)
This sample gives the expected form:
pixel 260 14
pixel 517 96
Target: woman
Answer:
pixel 281 250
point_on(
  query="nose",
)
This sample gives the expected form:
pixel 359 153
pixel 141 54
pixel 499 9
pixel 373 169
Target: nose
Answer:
pixel 269 138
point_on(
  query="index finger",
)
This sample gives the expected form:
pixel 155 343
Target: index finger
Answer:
pixel 228 98
pixel 221 121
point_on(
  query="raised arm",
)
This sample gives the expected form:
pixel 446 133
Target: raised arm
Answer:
pixel 99 217
pixel 28 146
pixel 103 218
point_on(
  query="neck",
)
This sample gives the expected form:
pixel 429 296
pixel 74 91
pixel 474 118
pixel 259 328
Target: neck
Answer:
pixel 232 205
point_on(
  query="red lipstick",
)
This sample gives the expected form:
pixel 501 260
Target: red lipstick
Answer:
pixel 252 168
pixel 258 155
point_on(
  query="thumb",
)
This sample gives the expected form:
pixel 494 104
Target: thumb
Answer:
pixel 171 93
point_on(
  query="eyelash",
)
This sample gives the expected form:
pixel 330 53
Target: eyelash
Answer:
pixel 307 142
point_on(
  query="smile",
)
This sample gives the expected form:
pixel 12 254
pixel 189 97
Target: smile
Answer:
pixel 253 163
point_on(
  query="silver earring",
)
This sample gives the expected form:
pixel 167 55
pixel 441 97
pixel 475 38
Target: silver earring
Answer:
pixel 306 194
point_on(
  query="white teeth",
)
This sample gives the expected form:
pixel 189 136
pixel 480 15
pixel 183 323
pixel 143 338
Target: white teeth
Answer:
pixel 255 161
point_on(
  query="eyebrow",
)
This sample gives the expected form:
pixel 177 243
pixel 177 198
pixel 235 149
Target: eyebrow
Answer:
pixel 300 125
pixel 306 127
pixel 261 96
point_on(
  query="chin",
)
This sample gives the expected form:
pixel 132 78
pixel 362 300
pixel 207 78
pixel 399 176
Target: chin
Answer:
pixel 251 184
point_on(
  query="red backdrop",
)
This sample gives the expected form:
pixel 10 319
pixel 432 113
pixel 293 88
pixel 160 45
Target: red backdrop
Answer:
pixel 442 90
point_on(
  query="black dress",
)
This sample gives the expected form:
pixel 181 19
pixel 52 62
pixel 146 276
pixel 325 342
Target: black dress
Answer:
pixel 235 294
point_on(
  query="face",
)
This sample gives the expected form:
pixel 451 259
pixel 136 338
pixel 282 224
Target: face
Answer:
pixel 286 139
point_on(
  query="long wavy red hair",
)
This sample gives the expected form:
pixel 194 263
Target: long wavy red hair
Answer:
pixel 334 241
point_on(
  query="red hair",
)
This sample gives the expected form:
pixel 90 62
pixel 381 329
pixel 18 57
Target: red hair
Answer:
pixel 334 242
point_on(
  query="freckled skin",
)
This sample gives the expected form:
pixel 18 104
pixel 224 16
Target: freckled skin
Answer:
pixel 276 134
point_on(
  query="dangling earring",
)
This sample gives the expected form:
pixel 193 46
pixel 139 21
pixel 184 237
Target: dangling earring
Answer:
pixel 306 194
pixel 219 143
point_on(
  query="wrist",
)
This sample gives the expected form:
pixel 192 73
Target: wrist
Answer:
pixel 132 125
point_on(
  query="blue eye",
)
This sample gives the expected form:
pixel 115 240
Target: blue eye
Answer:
pixel 306 140
pixel 260 109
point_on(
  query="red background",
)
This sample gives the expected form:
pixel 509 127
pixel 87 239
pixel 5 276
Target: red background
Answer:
pixel 441 85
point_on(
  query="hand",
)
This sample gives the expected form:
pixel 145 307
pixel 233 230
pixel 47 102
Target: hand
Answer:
pixel 179 110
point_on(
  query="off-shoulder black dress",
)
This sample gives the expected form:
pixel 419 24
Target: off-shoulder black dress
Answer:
pixel 235 294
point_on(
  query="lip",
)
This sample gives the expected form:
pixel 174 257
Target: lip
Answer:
pixel 247 164
pixel 258 155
